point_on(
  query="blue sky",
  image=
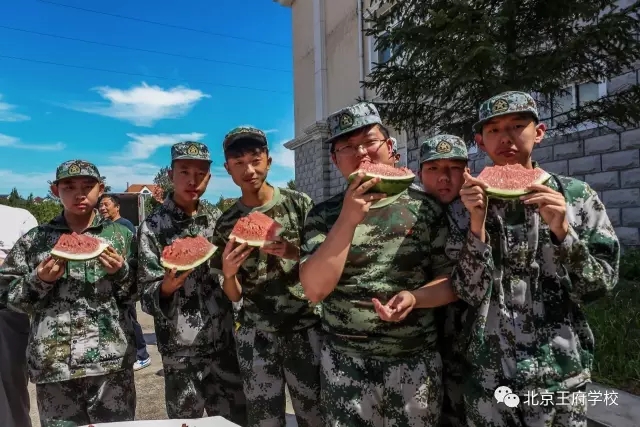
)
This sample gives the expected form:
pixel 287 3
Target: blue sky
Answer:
pixel 125 122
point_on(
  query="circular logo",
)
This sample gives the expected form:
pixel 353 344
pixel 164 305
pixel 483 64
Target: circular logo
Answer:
pixel 192 150
pixel 500 106
pixel 443 147
pixel 74 169
pixel 346 121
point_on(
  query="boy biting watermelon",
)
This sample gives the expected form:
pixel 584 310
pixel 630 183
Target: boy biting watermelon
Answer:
pixel 443 162
pixel 527 267
pixel 278 338
pixel 80 351
pixel 193 318
pixel 367 257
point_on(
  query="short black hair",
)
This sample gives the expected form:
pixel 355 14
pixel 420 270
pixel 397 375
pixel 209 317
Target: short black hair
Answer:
pixel 383 130
pixel 243 146
pixel 115 199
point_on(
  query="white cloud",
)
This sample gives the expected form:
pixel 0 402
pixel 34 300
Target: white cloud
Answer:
pixel 8 115
pixel 283 157
pixel 141 147
pixel 13 142
pixel 143 105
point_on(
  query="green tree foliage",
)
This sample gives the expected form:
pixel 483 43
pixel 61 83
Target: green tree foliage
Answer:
pixel 291 184
pixel 43 210
pixel 224 204
pixel 449 55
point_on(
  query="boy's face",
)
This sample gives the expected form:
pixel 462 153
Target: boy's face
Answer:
pixel 510 139
pixel 443 178
pixel 80 195
pixel 347 154
pixel 249 169
pixel 190 179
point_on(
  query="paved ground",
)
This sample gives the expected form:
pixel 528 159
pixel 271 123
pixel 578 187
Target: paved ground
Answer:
pixel 149 383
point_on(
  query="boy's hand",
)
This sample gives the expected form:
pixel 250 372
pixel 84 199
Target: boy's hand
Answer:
pixel 171 283
pixel 51 269
pixel 398 307
pixel 474 198
pixel 111 260
pixel 552 206
pixel 356 203
pixel 282 249
pixel 232 258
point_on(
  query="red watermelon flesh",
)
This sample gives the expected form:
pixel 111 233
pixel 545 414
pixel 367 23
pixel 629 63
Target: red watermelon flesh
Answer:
pixel 78 247
pixel 511 180
pixel 187 253
pixel 256 229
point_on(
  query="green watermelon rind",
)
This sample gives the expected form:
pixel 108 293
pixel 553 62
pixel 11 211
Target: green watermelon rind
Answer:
pixel 498 193
pixel 184 267
pixel 254 243
pixel 389 185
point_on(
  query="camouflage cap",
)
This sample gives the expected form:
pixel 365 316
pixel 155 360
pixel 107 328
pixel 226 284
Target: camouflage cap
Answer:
pixel 352 118
pixel 75 169
pixel 244 132
pixel 443 147
pixel 503 104
pixel 190 150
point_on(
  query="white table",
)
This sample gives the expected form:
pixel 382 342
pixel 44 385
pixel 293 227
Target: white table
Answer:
pixel 201 422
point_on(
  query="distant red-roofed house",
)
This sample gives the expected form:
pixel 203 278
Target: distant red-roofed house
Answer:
pixel 153 189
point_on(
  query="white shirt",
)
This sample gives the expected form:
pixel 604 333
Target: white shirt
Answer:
pixel 14 223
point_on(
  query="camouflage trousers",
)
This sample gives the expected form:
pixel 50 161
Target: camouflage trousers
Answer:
pixel 359 391
pixel 268 361
pixel 567 409
pixel 89 400
pixel 195 384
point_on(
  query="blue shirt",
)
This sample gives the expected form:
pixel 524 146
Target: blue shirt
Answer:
pixel 127 224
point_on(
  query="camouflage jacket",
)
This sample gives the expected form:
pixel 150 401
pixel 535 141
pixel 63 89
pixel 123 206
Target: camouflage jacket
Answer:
pixel 527 290
pixel 273 299
pixel 197 320
pixel 78 324
pixel 399 246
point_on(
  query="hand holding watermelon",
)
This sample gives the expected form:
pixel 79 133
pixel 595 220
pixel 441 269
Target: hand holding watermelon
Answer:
pixel 474 198
pixel 51 269
pixel 281 249
pixel 233 257
pixel 171 283
pixel 552 206
pixel 111 260
pixel 357 201
pixel 398 307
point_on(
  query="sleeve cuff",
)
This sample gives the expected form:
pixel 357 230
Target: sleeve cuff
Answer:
pixel 569 240
pixel 477 247
pixel 121 274
pixel 38 285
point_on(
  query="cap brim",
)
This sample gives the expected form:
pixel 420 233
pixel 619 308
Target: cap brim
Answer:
pixel 76 176
pixel 466 159
pixel 364 125
pixel 191 158
pixel 477 127
pixel 244 139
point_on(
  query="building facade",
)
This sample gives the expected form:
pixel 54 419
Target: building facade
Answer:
pixel 331 56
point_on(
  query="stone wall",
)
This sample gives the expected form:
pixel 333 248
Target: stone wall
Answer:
pixel 609 162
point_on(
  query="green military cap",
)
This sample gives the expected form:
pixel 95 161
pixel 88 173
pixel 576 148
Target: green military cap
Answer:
pixel 190 150
pixel 243 133
pixel 503 104
pixel 352 118
pixel 77 168
pixel 443 147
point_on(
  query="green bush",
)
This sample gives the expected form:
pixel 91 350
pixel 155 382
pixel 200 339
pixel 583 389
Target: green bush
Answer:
pixel 615 321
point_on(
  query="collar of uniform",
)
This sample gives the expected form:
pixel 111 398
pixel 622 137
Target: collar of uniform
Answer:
pixel 177 211
pixel 60 223
pixel 264 208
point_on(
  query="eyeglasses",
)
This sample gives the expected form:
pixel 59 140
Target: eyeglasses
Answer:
pixel 351 150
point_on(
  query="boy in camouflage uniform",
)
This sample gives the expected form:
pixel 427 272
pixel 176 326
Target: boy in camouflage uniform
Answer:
pixel 80 351
pixel 526 268
pixel 278 338
pixel 364 256
pixel 443 161
pixel 193 318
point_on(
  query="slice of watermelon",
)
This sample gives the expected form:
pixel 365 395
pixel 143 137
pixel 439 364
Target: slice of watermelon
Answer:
pixel 256 229
pixel 393 180
pixel 509 181
pixel 78 247
pixel 187 253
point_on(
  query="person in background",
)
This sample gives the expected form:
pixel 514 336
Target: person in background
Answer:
pixel 80 348
pixel 109 208
pixel 14 330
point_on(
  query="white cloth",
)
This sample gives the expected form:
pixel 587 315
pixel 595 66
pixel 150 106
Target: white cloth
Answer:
pixel 14 331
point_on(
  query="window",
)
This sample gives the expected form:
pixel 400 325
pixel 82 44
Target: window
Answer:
pixel 577 96
pixel 378 56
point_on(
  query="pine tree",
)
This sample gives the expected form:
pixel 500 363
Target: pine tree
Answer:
pixel 450 55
